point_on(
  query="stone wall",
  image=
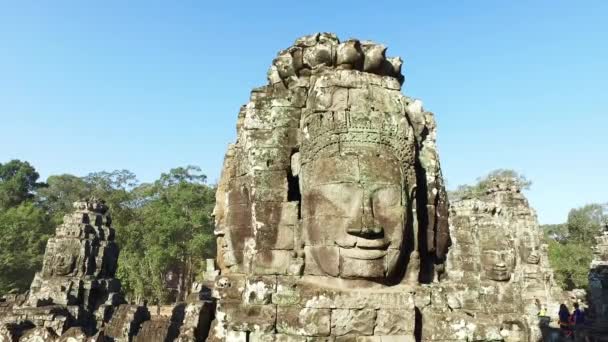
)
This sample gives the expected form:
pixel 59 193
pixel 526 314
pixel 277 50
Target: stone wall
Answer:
pixel 598 287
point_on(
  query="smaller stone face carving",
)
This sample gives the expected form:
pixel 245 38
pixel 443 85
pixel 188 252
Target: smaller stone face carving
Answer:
pixel 63 264
pixel 497 265
pixel 78 259
pixel 62 256
pixel 533 258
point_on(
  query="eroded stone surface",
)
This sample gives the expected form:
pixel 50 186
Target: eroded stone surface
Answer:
pixel 331 207
pixel 76 286
pixel 76 297
pixel 497 269
pixel 598 286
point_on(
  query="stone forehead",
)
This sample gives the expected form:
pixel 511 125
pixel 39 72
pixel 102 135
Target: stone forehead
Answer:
pixel 353 168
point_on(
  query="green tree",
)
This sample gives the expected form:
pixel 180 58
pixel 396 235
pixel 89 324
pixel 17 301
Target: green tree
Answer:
pixel 24 230
pixel 18 182
pixel 570 244
pixel 570 262
pixel 557 232
pixel 115 188
pixel 586 222
pixel 172 229
pixel 59 194
pixel 24 227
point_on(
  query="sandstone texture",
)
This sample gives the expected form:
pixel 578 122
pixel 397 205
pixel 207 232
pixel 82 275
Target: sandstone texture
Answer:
pixel 77 298
pixel 498 270
pixel 598 288
pixel 333 223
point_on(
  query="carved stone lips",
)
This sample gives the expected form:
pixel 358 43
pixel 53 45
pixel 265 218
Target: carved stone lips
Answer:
pixel 366 249
pixel 361 253
pixel 372 243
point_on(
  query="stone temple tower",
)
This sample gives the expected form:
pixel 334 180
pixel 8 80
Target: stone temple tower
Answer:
pixel 331 208
pixel 333 223
pixel 76 292
pixel 80 260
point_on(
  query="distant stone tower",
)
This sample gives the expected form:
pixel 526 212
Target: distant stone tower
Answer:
pixel 76 292
pixel 498 268
pixel 80 261
pixel 77 298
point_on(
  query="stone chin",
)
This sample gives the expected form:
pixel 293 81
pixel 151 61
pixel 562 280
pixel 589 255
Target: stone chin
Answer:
pixel 361 263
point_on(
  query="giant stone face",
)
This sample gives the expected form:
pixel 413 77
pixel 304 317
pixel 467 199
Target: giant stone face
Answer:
pixel 353 206
pixel 334 172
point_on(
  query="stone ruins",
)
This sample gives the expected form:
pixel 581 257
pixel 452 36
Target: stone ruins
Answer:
pixel 332 217
pixel 332 224
pixel 598 286
pixel 77 298
pixel 498 271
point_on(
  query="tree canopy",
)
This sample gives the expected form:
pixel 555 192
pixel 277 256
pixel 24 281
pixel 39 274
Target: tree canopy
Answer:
pixel 161 227
pixel 570 244
pixel 18 182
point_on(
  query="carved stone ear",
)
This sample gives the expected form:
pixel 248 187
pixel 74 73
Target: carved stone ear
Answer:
pixel 295 164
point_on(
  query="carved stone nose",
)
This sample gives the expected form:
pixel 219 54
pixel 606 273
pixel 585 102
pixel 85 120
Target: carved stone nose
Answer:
pixel 366 232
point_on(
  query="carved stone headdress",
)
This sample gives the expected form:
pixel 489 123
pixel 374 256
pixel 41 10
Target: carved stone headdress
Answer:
pixel 324 97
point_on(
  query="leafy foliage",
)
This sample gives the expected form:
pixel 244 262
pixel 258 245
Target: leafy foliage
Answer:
pixel 17 183
pixel 557 232
pixel 165 226
pixel 173 230
pixel 586 222
pixel 570 245
pixel 24 230
pixel 483 184
pixel 59 194
pixel 570 261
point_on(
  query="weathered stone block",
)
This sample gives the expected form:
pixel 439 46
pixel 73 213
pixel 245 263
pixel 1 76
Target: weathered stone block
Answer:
pixel 126 322
pixel 395 322
pixel 289 213
pixel 303 321
pixel 236 336
pixel 230 288
pixel 353 268
pixel 259 318
pixel 353 322
pixel 398 338
pixel 259 289
pixel 325 263
pixel 257 337
pixel 287 291
pixel 272 262
pixel 156 331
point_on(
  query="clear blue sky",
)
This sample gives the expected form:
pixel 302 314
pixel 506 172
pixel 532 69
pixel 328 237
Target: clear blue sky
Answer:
pixel 148 86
